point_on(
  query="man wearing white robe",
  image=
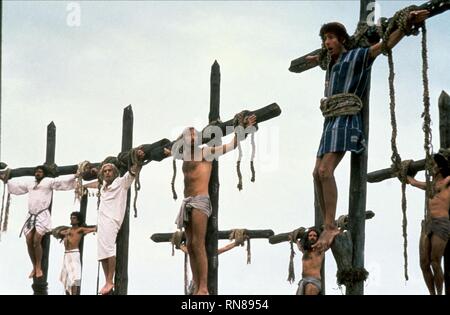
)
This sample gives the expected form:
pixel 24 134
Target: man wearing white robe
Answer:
pixel 38 221
pixel 111 212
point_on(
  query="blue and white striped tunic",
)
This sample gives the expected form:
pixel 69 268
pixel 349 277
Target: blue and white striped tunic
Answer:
pixel 350 74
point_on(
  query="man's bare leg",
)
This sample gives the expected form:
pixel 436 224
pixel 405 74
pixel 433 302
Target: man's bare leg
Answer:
pixel 327 166
pixel 37 244
pixel 311 289
pixel 192 260
pixel 199 222
pixel 425 262
pixel 105 271
pixel 109 275
pixel 29 238
pixel 318 188
pixel 437 251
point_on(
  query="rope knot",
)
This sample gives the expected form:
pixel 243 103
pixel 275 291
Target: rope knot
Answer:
pixel 293 236
pixel 240 123
pixel 177 240
pixel 240 236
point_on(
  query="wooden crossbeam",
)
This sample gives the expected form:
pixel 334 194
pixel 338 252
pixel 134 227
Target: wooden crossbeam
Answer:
pixel 435 7
pixel 221 235
pixel 444 133
pixel 285 237
pixel 152 151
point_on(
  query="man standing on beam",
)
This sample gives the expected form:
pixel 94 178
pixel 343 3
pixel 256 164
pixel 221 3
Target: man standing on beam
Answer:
pixel 346 79
pixel 196 206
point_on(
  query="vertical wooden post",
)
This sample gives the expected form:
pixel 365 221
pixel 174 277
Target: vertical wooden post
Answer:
pixel 121 277
pixel 83 210
pixel 40 285
pixel 1 42
pixel 358 185
pixel 318 222
pixel 444 132
pixel 212 230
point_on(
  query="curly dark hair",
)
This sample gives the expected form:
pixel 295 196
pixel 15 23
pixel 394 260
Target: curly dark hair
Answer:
pixel 80 218
pixel 306 244
pixel 337 29
pixel 43 168
pixel 442 164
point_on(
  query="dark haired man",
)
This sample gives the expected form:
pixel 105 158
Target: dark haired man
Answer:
pixel 312 259
pixel 436 227
pixel 71 270
pixel 346 80
pixel 38 221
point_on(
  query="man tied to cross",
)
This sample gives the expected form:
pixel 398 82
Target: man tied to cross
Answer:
pixel 38 221
pixel 196 206
pixel 311 263
pixel 436 227
pixel 111 212
pixel 71 271
pixel 345 83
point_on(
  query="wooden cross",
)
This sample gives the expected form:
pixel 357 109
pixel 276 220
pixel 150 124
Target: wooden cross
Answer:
pixel 341 248
pixel 220 235
pixel 152 152
pixel 444 133
pixel 358 168
pixel 212 232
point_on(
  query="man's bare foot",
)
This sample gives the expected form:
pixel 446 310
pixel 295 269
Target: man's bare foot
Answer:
pixel 32 273
pixel 39 273
pixel 107 288
pixel 326 239
pixel 202 292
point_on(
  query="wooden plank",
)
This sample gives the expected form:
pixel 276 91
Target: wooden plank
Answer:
pixel 284 237
pixel 435 7
pixel 386 173
pixel 221 235
pixel 83 211
pixel 212 229
pixel 444 132
pixel 40 285
pixel 121 276
pixel 358 187
pixel 153 152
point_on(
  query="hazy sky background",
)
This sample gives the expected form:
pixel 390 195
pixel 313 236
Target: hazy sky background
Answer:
pixel 157 57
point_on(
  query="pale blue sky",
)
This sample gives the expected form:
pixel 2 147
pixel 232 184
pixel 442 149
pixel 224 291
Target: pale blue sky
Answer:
pixel 157 57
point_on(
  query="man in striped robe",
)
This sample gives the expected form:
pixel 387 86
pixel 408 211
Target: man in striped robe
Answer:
pixel 347 76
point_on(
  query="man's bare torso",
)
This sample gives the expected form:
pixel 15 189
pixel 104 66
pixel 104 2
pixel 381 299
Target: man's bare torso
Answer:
pixel 440 203
pixel 312 263
pixel 196 177
pixel 73 238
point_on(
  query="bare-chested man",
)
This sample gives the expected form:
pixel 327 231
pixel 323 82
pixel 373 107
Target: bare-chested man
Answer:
pixel 312 259
pixel 196 207
pixel 436 229
pixel 71 270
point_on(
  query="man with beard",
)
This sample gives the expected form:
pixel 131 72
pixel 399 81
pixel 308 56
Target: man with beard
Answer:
pixel 71 271
pixel 196 206
pixel 312 259
pixel 436 227
pixel 111 212
pixel 38 222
